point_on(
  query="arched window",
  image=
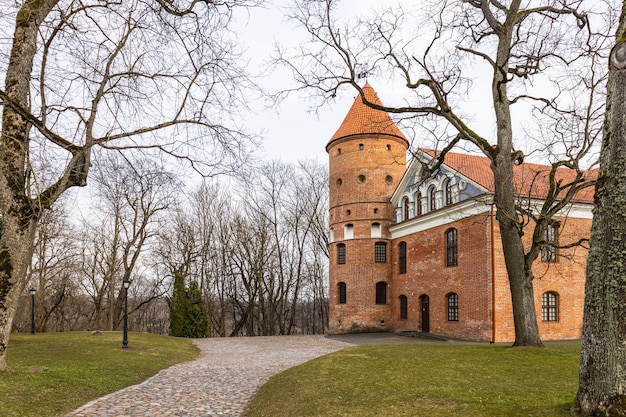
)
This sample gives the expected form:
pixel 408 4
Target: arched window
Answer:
pixel 381 292
pixel 448 191
pixel 341 254
pixel 404 307
pixel 405 208
pixel 549 235
pixel 550 306
pixel 341 289
pixel 452 247
pixel 348 231
pixel 380 252
pixel 418 204
pixel 432 198
pixel 453 306
pixel 402 258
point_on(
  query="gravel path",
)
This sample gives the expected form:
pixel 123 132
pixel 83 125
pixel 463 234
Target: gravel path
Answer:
pixel 219 383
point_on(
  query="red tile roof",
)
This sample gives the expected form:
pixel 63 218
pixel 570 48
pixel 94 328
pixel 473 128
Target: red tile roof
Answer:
pixel 362 119
pixel 530 180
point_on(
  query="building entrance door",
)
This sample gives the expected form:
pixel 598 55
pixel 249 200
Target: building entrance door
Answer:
pixel 425 304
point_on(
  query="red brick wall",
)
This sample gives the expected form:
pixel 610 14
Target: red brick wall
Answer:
pixel 360 273
pixel 566 277
pixel 427 273
pixel 362 202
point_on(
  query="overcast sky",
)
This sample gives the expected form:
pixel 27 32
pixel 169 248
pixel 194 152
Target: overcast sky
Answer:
pixel 292 131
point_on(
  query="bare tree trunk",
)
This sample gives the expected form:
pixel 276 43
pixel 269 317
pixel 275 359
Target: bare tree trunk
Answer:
pixel 520 283
pixel 602 386
pixel 19 213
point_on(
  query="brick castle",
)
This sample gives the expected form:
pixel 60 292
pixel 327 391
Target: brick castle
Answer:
pixel 412 255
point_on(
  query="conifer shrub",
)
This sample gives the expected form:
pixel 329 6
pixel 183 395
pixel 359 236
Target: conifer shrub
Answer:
pixel 188 316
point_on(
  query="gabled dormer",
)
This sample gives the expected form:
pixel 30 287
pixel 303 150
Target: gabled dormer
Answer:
pixel 420 193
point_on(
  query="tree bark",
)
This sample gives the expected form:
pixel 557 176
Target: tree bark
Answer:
pixel 602 385
pixel 19 213
pixel 520 282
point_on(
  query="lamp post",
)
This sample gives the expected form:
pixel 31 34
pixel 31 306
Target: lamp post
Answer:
pixel 32 310
pixel 126 284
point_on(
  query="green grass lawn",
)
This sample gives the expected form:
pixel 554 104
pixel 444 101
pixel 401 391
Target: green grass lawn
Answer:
pixel 427 380
pixel 55 373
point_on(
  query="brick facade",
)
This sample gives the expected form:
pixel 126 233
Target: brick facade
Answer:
pixel 468 300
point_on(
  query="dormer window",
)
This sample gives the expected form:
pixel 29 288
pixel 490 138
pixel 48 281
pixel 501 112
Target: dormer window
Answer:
pixel 405 208
pixel 432 198
pixel 418 204
pixel 448 192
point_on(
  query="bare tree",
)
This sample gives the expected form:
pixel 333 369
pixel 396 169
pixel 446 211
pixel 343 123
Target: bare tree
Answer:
pixel 541 57
pixel 53 273
pixel 150 74
pixel 54 269
pixel 603 353
pixel 131 197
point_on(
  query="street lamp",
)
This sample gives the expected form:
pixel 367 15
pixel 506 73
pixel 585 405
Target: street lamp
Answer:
pixel 32 310
pixel 126 284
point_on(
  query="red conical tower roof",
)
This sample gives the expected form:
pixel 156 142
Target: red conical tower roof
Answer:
pixel 362 119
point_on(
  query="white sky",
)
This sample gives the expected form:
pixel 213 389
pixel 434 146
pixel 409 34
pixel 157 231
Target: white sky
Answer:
pixel 292 131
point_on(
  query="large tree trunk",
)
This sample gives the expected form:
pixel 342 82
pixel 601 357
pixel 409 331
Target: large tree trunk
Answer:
pixel 520 283
pixel 602 386
pixel 19 213
pixel 520 280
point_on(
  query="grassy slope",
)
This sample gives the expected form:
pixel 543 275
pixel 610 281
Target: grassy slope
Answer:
pixel 55 373
pixel 427 380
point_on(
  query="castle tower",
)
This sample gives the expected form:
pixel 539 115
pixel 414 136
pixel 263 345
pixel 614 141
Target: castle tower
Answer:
pixel 367 158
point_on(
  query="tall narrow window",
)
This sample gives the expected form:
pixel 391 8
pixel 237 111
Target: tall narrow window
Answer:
pixel 453 307
pixel 452 247
pixel 418 204
pixel 341 289
pixel 402 258
pixel 550 306
pixel 380 252
pixel 432 198
pixel 381 292
pixel 448 190
pixel 341 254
pixel 548 251
pixel 404 307
pixel 405 208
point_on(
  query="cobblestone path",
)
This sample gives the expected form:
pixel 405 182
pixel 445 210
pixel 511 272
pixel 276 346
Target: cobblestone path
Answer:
pixel 219 383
